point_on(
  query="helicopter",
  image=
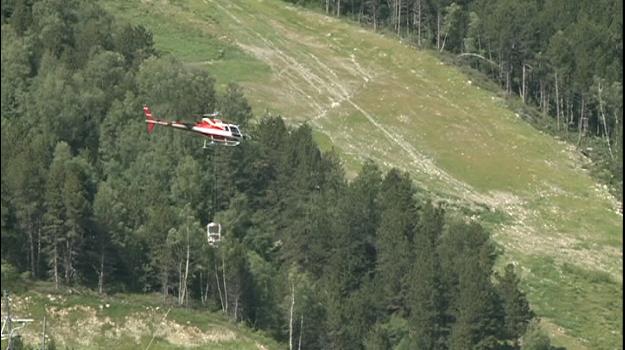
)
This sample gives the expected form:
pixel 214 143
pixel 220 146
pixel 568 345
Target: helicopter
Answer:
pixel 216 131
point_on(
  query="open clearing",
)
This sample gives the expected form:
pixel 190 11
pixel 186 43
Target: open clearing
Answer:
pixel 370 96
pixel 85 320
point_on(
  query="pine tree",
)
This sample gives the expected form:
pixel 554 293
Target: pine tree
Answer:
pixel 394 237
pixel 186 187
pixel 77 204
pixel 361 212
pixel 108 241
pixel 135 43
pixel 351 257
pixel 425 294
pixel 297 188
pixel 474 311
pixel 517 310
pixel 234 107
pixel 55 216
pixel 535 338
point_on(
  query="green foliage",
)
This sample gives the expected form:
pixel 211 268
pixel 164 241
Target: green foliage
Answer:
pixel 171 90
pixel 426 299
pixel 377 339
pixel 9 273
pixel 135 43
pixel 467 259
pixel 535 339
pixel 517 310
pixel 16 70
pixel 234 107
pixel 96 202
pixel 393 238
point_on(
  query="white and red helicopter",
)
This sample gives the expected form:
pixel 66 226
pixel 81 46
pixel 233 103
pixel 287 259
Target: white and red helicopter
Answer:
pixel 217 131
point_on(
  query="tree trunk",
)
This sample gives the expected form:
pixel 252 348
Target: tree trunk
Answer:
pixel 236 307
pixel 55 260
pixel 179 282
pixel 31 242
pixel 523 85
pixel 557 104
pixel 508 87
pixel 223 267
pixel 545 97
pixel 438 29
pixel 501 70
pixel 202 300
pixel 67 261
pixel 301 330
pixel 408 26
pixel 419 26
pixel 605 124
pixel 221 299
pixel 580 123
pixel 206 289
pixel 399 18
pixel 291 317
pixel 444 41
pixel 375 15
pixel 541 96
pixel 165 283
pixel 327 6
pixel 101 274
pixel 338 8
pixel 186 271
pixel 570 107
pixel 361 12
pixel 37 264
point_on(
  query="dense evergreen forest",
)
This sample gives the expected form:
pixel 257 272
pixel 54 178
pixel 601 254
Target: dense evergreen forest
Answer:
pixel 562 58
pixel 89 199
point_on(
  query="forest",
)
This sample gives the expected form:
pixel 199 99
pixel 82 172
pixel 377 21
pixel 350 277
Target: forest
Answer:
pixel 562 59
pixel 317 261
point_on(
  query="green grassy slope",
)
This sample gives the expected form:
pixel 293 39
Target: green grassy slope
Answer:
pixel 371 96
pixel 87 321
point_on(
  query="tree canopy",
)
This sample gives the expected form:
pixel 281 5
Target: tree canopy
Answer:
pixel 306 255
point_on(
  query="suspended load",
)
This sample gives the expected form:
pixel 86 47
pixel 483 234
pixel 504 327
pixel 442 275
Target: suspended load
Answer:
pixel 213 232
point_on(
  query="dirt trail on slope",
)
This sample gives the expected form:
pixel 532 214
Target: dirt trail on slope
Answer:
pixel 323 80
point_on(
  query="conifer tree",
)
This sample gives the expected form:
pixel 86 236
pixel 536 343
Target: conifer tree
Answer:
pixel 77 205
pixel 425 294
pixel 517 310
pixel 234 107
pixel 55 216
pixel 474 311
pixel 109 239
pixel 393 239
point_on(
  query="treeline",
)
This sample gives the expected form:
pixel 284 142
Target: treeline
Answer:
pixel 318 262
pixel 563 57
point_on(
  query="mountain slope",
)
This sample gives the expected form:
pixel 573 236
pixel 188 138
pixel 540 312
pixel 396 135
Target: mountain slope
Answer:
pixel 369 96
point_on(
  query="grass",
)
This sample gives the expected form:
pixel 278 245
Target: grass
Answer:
pixel 369 96
pixel 86 320
pixel 562 285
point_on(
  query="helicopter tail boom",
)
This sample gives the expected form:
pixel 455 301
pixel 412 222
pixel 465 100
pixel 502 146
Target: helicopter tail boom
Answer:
pixel 148 119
